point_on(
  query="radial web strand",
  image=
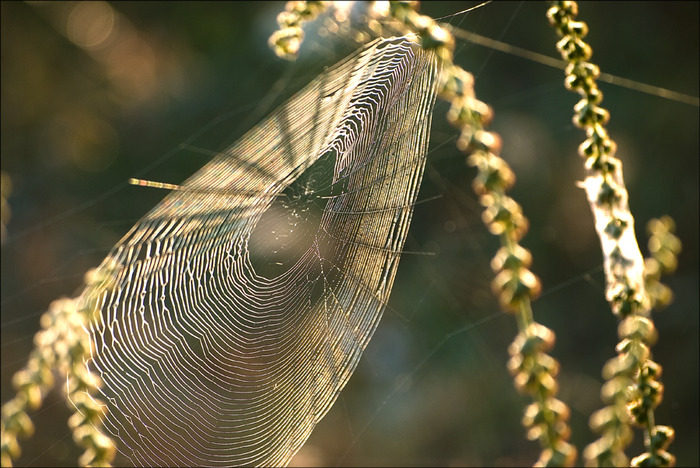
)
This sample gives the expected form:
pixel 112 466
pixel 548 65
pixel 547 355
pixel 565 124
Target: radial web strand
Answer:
pixel 242 303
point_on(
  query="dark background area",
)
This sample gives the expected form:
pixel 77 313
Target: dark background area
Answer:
pixel 82 112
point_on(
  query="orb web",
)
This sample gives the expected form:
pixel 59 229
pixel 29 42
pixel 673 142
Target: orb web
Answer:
pixel 214 348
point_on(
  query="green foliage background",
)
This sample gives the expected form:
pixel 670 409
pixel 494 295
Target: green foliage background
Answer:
pixel 76 125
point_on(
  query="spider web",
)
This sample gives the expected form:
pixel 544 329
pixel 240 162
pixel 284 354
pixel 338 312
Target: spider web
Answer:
pixel 228 333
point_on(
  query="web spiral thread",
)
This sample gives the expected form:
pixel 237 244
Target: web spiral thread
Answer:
pixel 206 361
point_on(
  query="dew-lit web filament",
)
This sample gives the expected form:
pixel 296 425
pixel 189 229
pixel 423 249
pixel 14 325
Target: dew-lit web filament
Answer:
pixel 159 185
pixel 215 190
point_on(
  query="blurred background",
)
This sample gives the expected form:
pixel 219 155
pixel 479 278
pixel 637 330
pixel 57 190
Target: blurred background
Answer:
pixel 96 93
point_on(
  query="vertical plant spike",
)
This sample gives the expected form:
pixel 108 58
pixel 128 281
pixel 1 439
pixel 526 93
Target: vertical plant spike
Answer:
pixel 632 389
pixel 664 247
pixel 515 285
pixel 32 384
pixel 285 42
pixel 533 370
pixel 83 384
pixel 61 345
pixel 604 185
